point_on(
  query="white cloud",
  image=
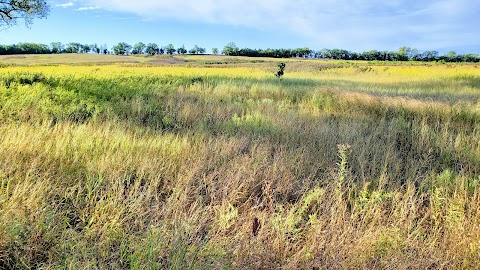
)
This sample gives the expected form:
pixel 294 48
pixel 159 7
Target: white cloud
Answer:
pixel 65 5
pixel 363 24
pixel 88 8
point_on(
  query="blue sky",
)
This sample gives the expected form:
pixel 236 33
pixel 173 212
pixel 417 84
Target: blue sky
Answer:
pixel 355 25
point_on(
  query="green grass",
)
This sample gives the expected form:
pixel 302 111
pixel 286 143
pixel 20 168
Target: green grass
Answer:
pixel 185 172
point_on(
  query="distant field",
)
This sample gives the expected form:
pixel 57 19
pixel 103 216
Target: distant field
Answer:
pixel 89 59
pixel 201 162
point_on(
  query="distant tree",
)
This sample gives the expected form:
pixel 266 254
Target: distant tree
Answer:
pixel 302 52
pixel 197 50
pixel 392 56
pixel 325 54
pixel 471 57
pixel 139 48
pixel 230 49
pixel 371 55
pixel 170 49
pixel 384 55
pixel 25 48
pixel 73 47
pixel 104 49
pixel 56 47
pixel 32 48
pixel 403 53
pixel 151 49
pixel 122 48
pixel 339 54
pixel 95 48
pixel 182 50
pixel 85 48
pixel 267 53
pixel 429 56
pixel 414 55
pixel 251 52
pixel 12 10
pixel 450 56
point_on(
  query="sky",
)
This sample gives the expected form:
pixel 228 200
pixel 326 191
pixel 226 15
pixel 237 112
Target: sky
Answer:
pixel 354 25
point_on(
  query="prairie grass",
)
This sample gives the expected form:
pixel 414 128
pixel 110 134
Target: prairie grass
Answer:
pixel 207 166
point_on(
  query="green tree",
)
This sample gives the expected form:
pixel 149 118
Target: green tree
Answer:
pixel 403 53
pixel 170 49
pixel 230 49
pixel 139 48
pixel 429 55
pixel 371 55
pixel 414 55
pixel 339 54
pixel 151 49
pixel 122 48
pixel 215 51
pixel 325 53
pixel 193 50
pixel 104 49
pixel 471 57
pixel 73 47
pixel 56 47
pixel 451 56
pixel 85 48
pixel 95 48
pixel 302 52
pixel 32 48
pixel 182 50
pixel 197 50
pixel 12 10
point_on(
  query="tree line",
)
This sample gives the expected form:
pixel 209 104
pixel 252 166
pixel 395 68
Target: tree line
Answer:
pixel 403 54
pixel 122 48
pixel 140 48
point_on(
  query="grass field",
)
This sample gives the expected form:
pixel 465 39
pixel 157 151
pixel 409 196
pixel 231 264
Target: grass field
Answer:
pixel 212 162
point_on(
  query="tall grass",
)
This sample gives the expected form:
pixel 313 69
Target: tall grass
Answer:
pixel 186 168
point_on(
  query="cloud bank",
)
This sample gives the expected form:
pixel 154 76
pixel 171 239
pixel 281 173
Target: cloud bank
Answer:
pixel 362 24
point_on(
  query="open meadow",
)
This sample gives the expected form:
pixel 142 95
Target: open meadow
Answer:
pixel 201 162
